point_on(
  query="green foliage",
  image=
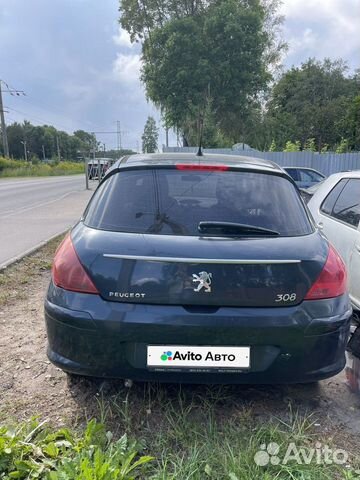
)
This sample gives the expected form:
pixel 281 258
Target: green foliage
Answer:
pixel 351 124
pixel 5 163
pixel 314 101
pixel 310 145
pixel 31 451
pixel 192 433
pixel 292 146
pixel 212 136
pixel 150 136
pixel 343 146
pixel 45 137
pixel 272 147
pixel 324 148
pixel 202 53
pixel 18 168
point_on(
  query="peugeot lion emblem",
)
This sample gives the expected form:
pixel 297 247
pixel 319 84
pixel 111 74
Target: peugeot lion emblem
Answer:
pixel 204 279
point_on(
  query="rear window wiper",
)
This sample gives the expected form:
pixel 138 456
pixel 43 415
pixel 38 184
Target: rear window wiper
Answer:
pixel 233 228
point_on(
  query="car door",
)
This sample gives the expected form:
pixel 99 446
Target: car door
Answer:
pixel 339 218
pixel 354 271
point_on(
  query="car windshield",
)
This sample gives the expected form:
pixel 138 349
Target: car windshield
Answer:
pixel 173 202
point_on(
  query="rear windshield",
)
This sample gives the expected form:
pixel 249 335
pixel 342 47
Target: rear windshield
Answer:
pixel 174 202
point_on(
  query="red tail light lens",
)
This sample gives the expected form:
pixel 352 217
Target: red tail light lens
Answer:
pixel 332 281
pixel 67 271
pixel 209 168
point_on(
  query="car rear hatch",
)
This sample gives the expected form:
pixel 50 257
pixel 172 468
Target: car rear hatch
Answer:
pixel 200 235
pixel 200 271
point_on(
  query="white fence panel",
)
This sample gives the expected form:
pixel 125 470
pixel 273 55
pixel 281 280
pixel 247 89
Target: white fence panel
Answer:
pixel 327 163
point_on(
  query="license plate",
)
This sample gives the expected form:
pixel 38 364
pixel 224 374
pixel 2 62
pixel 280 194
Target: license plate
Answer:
pixel 167 356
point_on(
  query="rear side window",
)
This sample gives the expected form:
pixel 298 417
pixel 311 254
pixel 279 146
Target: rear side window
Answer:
pixel 310 176
pixel 347 206
pixel 294 174
pixel 329 202
pixel 173 202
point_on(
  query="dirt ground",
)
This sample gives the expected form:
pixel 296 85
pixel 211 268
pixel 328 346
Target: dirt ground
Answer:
pixel 30 385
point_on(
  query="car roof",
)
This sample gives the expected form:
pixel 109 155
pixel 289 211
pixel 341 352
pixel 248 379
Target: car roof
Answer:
pixel 169 159
pixel 99 160
pixel 329 183
pixel 302 168
pixel 347 174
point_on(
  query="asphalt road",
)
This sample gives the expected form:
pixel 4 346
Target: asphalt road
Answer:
pixel 35 209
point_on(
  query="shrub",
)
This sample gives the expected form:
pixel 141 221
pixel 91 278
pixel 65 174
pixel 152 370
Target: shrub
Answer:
pixel 292 146
pixel 343 147
pixel 310 145
pixel 18 168
pixel 32 451
pixel 273 147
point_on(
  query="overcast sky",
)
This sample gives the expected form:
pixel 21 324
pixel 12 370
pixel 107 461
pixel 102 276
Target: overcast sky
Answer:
pixel 80 71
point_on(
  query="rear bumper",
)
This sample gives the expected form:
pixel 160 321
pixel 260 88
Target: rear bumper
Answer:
pixel 90 336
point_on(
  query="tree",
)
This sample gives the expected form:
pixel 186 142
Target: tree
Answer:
pixel 46 136
pixel 352 124
pixel 87 139
pixel 311 101
pixel 150 136
pixel 15 136
pixel 202 53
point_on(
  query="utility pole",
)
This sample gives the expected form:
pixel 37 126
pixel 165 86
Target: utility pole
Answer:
pixel 25 150
pixel 94 145
pixel 13 92
pixel 58 148
pixel 43 152
pixel 3 126
pixel 118 125
pixel 120 135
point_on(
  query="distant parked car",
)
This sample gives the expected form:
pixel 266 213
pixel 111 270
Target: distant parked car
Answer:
pixel 308 193
pixel 335 207
pixel 304 177
pixel 93 166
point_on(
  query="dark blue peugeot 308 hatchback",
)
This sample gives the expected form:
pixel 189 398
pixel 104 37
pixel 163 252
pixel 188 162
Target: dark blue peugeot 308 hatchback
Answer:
pixel 197 269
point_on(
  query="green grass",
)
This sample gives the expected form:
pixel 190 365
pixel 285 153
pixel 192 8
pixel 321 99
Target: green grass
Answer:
pixel 204 433
pixel 199 436
pixel 18 168
pixel 188 439
pixel 15 278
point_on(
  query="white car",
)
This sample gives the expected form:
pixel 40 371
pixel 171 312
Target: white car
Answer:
pixel 335 207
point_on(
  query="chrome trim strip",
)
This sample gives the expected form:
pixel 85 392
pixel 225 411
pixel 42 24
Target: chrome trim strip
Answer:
pixel 200 260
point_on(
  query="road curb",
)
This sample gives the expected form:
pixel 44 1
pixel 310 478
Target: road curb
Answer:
pixel 31 250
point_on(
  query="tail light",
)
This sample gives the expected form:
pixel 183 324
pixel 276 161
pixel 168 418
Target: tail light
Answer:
pixel 67 271
pixel 332 281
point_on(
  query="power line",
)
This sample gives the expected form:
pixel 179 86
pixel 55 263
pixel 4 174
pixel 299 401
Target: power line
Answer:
pixel 47 108
pixel 12 92
pixel 37 119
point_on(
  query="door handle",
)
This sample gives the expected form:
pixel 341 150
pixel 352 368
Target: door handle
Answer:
pixel 320 225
